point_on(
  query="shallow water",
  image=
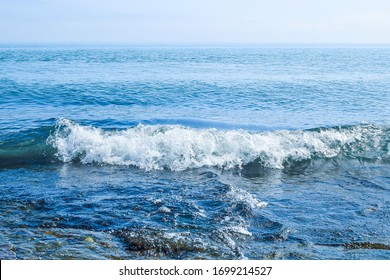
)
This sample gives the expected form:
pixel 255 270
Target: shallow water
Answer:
pixel 194 153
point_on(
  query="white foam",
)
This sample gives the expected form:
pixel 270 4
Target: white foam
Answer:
pixel 164 209
pixel 241 230
pixel 179 148
pixel 241 195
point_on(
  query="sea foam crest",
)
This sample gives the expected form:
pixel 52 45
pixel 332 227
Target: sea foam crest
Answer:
pixel 178 148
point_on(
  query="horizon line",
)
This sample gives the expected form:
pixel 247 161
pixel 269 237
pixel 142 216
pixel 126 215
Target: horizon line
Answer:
pixel 195 44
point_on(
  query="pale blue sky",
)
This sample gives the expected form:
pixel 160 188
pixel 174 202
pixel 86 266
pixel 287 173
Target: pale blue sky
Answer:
pixel 194 21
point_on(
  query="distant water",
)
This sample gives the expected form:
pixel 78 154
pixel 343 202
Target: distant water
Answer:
pixel 116 152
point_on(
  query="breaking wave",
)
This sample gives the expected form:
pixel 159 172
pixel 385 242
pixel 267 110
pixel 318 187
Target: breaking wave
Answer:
pixel 177 148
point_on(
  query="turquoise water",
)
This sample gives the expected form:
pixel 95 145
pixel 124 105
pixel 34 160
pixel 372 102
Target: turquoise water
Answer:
pixel 116 152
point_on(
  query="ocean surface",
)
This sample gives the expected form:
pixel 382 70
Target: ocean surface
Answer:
pixel 124 152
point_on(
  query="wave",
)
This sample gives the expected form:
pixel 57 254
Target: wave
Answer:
pixel 177 148
pixel 27 147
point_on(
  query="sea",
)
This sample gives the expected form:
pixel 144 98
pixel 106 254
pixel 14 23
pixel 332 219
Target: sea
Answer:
pixel 195 152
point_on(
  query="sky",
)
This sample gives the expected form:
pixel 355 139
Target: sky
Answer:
pixel 194 21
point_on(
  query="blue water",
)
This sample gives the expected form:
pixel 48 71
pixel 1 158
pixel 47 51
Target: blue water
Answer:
pixel 118 152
